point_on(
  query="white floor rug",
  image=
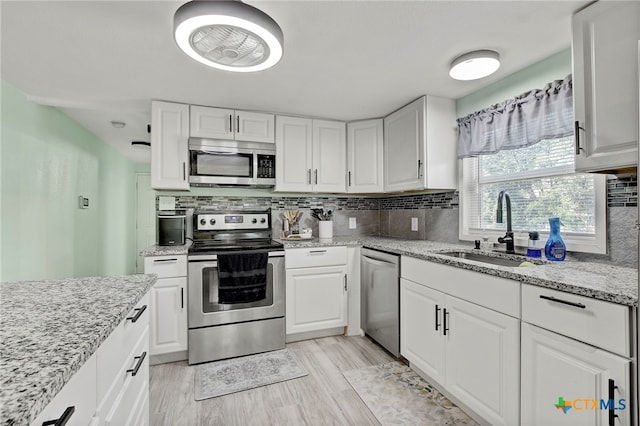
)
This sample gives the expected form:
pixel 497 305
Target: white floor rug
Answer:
pixel 397 395
pixel 248 372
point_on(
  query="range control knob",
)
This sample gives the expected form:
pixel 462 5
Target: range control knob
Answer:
pixel 212 221
pixel 254 220
pixel 203 222
pixel 263 220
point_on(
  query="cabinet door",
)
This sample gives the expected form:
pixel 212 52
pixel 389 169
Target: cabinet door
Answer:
pixel 169 145
pixel 255 127
pixel 294 153
pixel 605 84
pixel 329 156
pixel 214 123
pixel 316 299
pixel 483 353
pixel 421 340
pixel 557 370
pixel 364 156
pixel 404 139
pixel 168 320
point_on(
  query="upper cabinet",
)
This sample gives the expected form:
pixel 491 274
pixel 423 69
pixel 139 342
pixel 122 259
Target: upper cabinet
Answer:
pixel 311 155
pixel 220 123
pixel 420 146
pixel 169 146
pixel 364 156
pixel 605 85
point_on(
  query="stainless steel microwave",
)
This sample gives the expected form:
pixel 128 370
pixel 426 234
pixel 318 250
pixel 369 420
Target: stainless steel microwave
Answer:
pixel 230 163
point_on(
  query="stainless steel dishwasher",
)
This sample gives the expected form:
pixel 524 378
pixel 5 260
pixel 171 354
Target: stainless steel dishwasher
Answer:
pixel 380 298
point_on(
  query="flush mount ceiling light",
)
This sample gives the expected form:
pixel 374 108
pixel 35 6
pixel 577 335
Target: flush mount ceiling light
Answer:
pixel 228 34
pixel 474 65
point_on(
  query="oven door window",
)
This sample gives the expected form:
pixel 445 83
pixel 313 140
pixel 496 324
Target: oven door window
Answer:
pixel 221 164
pixel 211 293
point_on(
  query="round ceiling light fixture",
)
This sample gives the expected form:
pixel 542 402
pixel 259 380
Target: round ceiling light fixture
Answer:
pixel 475 65
pixel 228 35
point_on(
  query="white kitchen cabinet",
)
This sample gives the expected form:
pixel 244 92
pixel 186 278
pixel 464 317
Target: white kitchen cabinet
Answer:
pixel 169 146
pixel 311 155
pixel 605 85
pixel 168 304
pixel 220 123
pixel 468 348
pixel 420 146
pixel 556 368
pixel 364 157
pixel 317 288
pixel 420 340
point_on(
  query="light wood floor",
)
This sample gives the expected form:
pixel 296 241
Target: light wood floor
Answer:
pixel 324 397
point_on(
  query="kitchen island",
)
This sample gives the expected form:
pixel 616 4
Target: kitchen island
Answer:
pixel 50 328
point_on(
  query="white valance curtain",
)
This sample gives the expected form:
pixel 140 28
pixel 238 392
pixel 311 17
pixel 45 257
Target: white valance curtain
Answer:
pixel 520 122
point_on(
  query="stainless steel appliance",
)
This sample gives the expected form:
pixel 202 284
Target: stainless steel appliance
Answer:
pixel 231 163
pixel 171 228
pixel 236 304
pixel 380 298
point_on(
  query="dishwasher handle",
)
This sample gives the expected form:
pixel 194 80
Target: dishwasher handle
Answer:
pixel 378 261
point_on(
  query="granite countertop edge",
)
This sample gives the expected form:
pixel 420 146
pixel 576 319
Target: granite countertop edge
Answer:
pixel 523 275
pixel 26 409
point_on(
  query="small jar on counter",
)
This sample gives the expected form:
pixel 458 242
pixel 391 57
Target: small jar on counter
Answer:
pixel 533 248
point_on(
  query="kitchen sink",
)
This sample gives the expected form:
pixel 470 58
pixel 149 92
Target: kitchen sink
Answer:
pixel 486 258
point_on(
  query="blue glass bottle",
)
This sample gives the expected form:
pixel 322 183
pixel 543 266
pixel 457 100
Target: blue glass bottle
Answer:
pixel 555 249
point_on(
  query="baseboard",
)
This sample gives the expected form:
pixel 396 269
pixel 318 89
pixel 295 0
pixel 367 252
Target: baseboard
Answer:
pixel 166 358
pixel 290 338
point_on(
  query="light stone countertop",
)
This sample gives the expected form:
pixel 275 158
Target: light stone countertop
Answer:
pixel 597 280
pixel 50 328
pixel 156 250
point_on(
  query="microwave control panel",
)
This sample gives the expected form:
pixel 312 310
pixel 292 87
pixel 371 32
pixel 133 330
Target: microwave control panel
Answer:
pixel 266 166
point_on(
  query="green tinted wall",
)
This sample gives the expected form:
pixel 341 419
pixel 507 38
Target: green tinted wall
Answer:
pixel 48 161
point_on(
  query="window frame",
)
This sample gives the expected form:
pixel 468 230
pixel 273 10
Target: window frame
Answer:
pixel 584 243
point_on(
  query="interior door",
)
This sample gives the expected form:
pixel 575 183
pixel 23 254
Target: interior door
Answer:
pixel 145 217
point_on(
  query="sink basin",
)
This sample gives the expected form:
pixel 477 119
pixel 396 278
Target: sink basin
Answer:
pixel 484 258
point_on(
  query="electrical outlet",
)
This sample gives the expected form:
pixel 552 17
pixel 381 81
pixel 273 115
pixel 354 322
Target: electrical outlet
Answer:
pixel 352 223
pixel 414 223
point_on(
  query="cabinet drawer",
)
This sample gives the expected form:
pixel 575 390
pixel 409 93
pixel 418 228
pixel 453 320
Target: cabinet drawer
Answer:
pixel 114 352
pixel 316 256
pixel 499 294
pixel 79 393
pixel 592 321
pixel 123 385
pixel 166 266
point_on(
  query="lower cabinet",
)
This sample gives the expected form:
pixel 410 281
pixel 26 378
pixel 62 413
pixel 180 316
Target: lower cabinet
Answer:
pixel 469 350
pixel 317 289
pixel 168 316
pixel 316 299
pixel 168 307
pixel 566 382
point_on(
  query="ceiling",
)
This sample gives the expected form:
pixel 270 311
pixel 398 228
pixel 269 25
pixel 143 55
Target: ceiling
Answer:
pixel 100 61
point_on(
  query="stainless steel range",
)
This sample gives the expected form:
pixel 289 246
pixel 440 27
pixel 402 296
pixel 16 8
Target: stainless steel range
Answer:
pixel 236 286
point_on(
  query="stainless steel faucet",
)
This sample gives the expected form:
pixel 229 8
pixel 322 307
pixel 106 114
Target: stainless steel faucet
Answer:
pixel 508 237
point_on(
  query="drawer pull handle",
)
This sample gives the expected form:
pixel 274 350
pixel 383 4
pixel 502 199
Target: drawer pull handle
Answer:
pixel 165 260
pixel 317 251
pixel 64 418
pixel 437 323
pixel 565 302
pixel 139 312
pixel 612 414
pixel 135 369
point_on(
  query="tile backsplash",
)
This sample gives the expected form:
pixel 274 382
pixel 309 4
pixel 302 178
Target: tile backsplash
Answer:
pixel 436 213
